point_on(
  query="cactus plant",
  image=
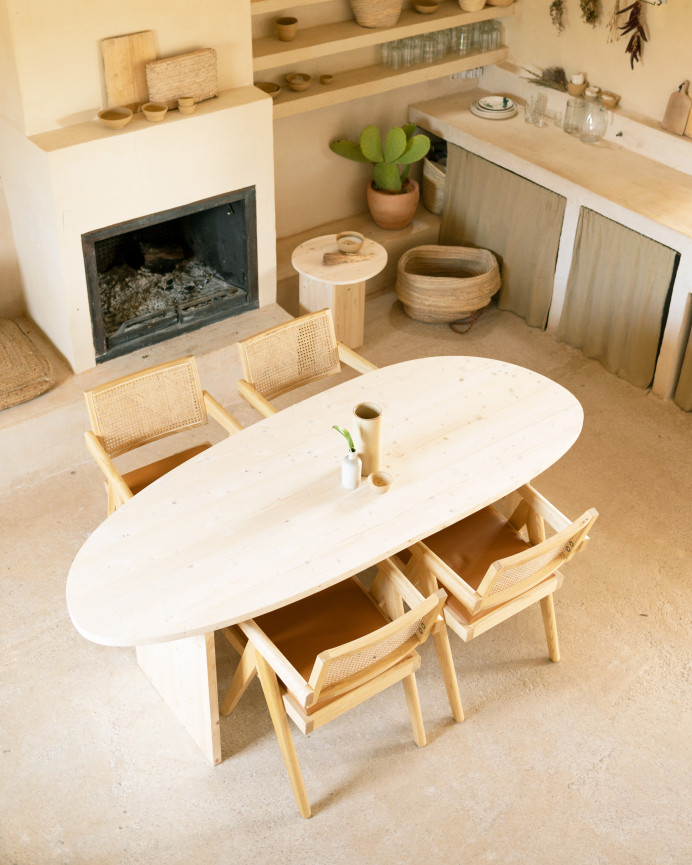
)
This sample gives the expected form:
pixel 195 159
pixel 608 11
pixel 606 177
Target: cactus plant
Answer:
pixel 401 148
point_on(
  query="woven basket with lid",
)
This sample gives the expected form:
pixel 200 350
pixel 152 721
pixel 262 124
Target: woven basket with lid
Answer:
pixel 376 13
pixel 446 283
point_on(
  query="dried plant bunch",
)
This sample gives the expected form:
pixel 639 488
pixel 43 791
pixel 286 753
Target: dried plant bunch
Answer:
pixel 557 13
pixel 553 77
pixel 634 26
pixel 590 11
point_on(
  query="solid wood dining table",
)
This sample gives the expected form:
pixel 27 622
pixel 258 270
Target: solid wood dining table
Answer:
pixel 261 519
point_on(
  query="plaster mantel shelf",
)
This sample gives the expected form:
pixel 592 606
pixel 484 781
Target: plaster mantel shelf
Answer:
pixel 637 183
pixel 94 130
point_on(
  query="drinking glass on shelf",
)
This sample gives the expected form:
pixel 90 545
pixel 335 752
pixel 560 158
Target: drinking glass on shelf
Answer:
pixel 429 49
pixel 535 109
pixel 395 56
pixel 463 41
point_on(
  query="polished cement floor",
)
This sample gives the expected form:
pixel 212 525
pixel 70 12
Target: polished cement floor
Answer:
pixel 584 762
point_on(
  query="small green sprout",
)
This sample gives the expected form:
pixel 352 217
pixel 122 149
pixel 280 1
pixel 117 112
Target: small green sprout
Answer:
pixel 347 435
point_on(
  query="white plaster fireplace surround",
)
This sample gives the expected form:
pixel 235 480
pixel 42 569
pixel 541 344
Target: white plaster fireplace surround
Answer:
pixel 87 177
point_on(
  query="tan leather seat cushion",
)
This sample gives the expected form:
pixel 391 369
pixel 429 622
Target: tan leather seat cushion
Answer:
pixel 140 478
pixel 328 619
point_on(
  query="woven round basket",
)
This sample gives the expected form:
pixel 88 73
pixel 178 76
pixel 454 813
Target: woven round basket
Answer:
pixel 376 13
pixel 446 283
pixel 433 186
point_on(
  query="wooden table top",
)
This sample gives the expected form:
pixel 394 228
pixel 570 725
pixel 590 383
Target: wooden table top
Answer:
pixel 307 259
pixel 261 519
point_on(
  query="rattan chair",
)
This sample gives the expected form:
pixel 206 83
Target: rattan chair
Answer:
pixel 141 408
pixel 305 679
pixel 291 355
pixel 493 567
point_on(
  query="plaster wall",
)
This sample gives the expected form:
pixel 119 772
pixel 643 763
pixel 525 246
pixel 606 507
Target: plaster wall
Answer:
pixel 53 51
pixel 666 62
pixel 11 296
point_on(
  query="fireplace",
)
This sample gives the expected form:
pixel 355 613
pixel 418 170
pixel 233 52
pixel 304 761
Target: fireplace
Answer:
pixel 167 273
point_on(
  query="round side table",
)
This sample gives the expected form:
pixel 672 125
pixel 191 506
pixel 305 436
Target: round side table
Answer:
pixel 338 286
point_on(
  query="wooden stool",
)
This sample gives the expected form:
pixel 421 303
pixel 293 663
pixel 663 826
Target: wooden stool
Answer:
pixel 341 287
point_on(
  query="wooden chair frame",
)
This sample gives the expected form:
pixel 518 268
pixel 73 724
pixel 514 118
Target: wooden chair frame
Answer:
pixel 315 701
pixel 333 353
pixel 533 575
pixel 104 444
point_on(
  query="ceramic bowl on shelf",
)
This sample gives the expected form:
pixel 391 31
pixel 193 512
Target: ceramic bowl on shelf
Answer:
pixel 349 241
pixel 609 99
pixel 471 5
pixel 186 104
pixel 425 7
pixel 326 79
pixel 154 111
pixel 298 80
pixel 115 118
pixel 380 482
pixel 269 87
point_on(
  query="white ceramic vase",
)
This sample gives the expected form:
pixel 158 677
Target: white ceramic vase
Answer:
pixel 350 471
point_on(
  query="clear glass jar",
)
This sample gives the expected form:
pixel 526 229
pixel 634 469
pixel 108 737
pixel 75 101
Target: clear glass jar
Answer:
pixel 574 111
pixel 594 121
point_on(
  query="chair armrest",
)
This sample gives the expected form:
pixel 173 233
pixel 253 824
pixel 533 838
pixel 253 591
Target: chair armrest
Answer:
pixel 255 399
pixel 403 586
pixel 283 668
pixel 105 463
pixel 353 359
pixel 451 581
pixel 220 415
pixel 555 519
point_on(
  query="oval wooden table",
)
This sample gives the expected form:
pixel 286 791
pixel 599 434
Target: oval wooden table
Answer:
pixel 261 519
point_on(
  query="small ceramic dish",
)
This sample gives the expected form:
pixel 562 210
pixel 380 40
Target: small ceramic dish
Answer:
pixel 269 87
pixel 380 482
pixel 186 104
pixel 298 80
pixel 425 7
pixel 154 111
pixel 349 241
pixel 609 100
pixel 326 79
pixel 115 118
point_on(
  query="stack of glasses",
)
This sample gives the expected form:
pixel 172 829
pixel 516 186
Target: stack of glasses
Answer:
pixel 430 47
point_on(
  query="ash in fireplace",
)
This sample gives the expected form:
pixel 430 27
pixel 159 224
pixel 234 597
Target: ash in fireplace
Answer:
pixel 128 293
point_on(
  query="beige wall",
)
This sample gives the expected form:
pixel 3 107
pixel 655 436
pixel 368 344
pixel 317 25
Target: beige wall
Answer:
pixel 11 296
pixel 666 57
pixel 56 49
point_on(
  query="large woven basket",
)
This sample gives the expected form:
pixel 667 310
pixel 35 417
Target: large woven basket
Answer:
pixel 376 13
pixel 24 371
pixel 446 283
pixel 433 186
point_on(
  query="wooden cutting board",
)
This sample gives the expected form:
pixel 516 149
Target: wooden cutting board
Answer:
pixel 678 110
pixel 124 62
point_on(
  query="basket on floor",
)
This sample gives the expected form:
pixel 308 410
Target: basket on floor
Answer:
pixel 446 283
pixel 433 185
pixel 376 13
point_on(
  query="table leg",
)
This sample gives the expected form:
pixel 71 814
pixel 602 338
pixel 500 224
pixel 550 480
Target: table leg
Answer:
pixel 347 303
pixel 184 673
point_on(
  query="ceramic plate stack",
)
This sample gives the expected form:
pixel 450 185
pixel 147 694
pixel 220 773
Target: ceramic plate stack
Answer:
pixel 494 107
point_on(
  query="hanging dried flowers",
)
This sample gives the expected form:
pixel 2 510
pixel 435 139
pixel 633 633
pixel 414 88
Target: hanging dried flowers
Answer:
pixel 590 11
pixel 636 28
pixel 613 23
pixel 557 11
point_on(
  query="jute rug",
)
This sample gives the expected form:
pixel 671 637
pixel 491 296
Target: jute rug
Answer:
pixel 24 371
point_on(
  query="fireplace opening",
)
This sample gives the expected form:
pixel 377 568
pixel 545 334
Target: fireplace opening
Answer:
pixel 161 275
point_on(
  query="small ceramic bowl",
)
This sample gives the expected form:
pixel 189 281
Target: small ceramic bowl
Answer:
pixel 609 100
pixel 349 241
pixel 154 111
pixel 326 79
pixel 115 118
pixel 286 28
pixel 269 87
pixel 380 482
pixel 186 104
pixel 576 89
pixel 298 80
pixel 425 7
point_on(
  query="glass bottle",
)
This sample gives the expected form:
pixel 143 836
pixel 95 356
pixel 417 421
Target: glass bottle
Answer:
pixel 594 121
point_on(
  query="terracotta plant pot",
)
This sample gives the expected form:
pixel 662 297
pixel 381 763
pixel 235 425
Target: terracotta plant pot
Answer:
pixel 393 210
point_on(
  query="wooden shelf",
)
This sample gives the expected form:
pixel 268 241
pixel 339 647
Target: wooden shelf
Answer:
pixel 341 36
pixel 368 80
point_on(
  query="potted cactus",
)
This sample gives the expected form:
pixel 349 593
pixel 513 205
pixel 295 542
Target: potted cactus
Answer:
pixel 392 194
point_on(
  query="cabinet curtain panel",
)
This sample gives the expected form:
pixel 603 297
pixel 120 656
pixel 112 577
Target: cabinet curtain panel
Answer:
pixel 518 221
pixel 683 392
pixel 616 297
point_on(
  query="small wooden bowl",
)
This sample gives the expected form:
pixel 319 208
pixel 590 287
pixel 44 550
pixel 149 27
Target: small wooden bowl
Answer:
pixel 609 100
pixel 425 7
pixel 154 111
pixel 380 482
pixel 349 241
pixel 186 104
pixel 269 87
pixel 115 118
pixel 298 80
pixel 326 79
pixel 576 89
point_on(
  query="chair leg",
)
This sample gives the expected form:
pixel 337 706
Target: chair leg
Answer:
pixel 246 672
pixel 550 625
pixel 272 695
pixel 414 712
pixel 444 655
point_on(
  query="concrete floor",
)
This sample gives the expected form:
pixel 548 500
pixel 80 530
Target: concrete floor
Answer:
pixel 585 761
